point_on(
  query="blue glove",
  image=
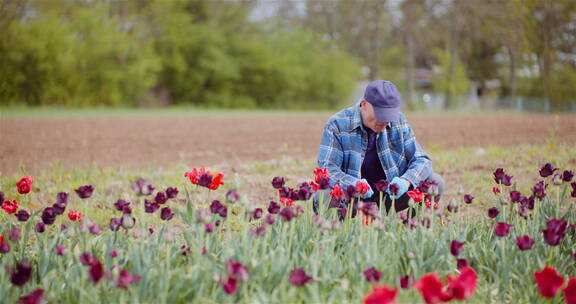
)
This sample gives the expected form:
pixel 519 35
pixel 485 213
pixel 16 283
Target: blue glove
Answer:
pixel 402 187
pixel 368 193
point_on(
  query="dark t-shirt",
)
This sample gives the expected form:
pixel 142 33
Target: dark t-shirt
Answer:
pixel 372 169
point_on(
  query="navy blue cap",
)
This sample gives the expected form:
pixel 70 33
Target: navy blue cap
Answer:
pixel 385 99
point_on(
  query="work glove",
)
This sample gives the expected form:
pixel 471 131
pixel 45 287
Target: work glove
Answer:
pixel 402 187
pixel 368 193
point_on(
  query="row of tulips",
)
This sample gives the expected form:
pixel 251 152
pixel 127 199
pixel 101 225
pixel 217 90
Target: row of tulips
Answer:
pixel 230 250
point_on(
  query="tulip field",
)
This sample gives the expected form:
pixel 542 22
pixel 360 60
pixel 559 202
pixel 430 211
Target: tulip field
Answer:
pixel 504 233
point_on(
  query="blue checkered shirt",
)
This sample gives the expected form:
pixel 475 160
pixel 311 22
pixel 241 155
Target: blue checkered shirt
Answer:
pixel 344 143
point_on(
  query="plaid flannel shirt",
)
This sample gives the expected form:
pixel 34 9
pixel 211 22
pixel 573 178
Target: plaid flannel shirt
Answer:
pixel 344 143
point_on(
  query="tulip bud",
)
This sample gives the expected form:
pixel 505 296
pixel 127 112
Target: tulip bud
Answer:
pixel 128 221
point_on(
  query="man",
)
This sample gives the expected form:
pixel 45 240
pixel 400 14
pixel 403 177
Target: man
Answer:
pixel 372 141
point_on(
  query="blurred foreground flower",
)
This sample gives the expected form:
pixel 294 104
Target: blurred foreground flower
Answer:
pixel 548 281
pixel 381 295
pixel 204 178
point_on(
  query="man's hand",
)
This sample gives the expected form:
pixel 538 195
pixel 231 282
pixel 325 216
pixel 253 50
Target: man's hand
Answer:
pixel 403 186
pixel 368 193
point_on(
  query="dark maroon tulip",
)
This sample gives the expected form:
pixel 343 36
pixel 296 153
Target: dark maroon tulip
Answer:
pixel 278 182
pixel 115 224
pixel 96 271
pixel 216 207
pixel 493 212
pixel 456 247
pixel 85 191
pixel 452 206
pixel 62 198
pixel 1 198
pixel 284 192
pixel 217 223
pixel 270 219
pixel 567 176
pixel 150 207
pixel 34 297
pixel 468 198
pixel 372 275
pixel 15 234
pixel 230 286
pixel 59 208
pixel 555 231
pixel 405 282
pixel 499 175
pixel 523 212
pixel 48 216
pixel 502 229
pixel 393 189
pixel 524 242
pixel 4 247
pixel 574 256
pixel 125 279
pixel 287 213
pixel 87 259
pixel 22 215
pixel 370 209
pixel 141 188
pixel 298 277
pixel 305 192
pixel 40 227
pixel 209 227
pixel 342 213
pixel 21 274
pixel 205 180
pixel 160 198
pixel 258 231
pixel 166 214
pixel 61 250
pixel 547 170
pixel 381 185
pixel 515 196
pixel 237 270
pixel 257 213
pixel 539 190
pixel 232 196
pixel 573 193
pixel 95 229
pixel 273 207
pixel 63 227
pixel 223 212
pixel 121 204
pixel 461 263
pixel 507 180
pixel 351 192
pixel 324 183
pixel 172 192
pixel 527 202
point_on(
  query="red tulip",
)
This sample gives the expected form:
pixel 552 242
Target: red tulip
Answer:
pixel 336 192
pixel 416 195
pixel 570 292
pixel 502 229
pixel 10 206
pixel 74 215
pixel 372 275
pixel 25 184
pixel 362 187
pixel 548 281
pixel 35 297
pixel 321 173
pixel 431 289
pixel 381 295
pixel 462 287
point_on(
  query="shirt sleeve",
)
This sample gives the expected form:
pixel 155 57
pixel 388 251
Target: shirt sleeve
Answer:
pixel 419 163
pixel 330 156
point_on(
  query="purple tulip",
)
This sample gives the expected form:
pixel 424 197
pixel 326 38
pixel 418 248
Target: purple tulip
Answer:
pixel 372 275
pixel 115 224
pixel 278 182
pixel 205 180
pixel 22 215
pixel 456 247
pixel 209 227
pixel 567 176
pixel 393 189
pixel 166 214
pixel 342 213
pixel 96 271
pixel 493 212
pixel 547 170
pixel 381 185
pixel 555 231
pixel 95 229
pixel 305 192
pixel 257 213
pixel 125 279
pixel 273 207
pixel 160 198
pixel 499 175
pixel 287 213
pixel 113 253
pixel 150 207
pixel 21 274
pixel 15 234
pixel 452 206
pixel 351 192
pixel 539 190
pixel 573 193
pixel 524 242
pixel 85 191
pixel 258 231
pixel 4 247
pixel 87 259
pixel 60 250
pixel 405 282
pixel 141 188
pixel 502 229
pixel 63 227
pixel 468 198
pixel 121 204
pixel 127 221
pixel 59 208
pixel 298 277
pixel 232 196
pixel 527 202
pixel 40 227
pixel 515 196
pixel 1 198
pixel 215 206
pixel 461 263
pixel 324 183
pixel 62 198
pixel 48 216
pixel 507 180
pixel 171 192
pixel 34 297
pixel 270 219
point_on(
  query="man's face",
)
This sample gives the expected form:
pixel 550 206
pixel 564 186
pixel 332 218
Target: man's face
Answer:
pixel 369 118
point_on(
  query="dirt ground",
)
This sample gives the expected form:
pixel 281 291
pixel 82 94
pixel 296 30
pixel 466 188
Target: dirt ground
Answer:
pixel 145 141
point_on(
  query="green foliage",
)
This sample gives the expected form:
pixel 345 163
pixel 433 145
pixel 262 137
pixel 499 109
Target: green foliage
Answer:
pixel 455 83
